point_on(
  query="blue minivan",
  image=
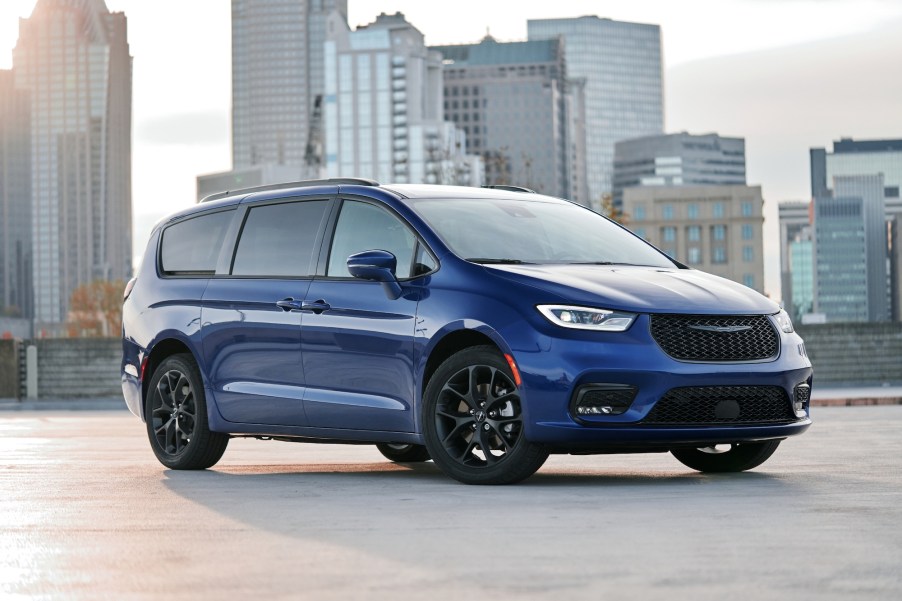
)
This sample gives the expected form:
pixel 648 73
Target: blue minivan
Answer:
pixel 483 329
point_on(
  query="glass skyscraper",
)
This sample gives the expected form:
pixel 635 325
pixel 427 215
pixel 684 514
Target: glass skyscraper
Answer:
pixel 277 75
pixel 72 59
pixel 622 65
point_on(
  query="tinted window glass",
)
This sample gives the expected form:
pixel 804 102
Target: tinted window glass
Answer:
pixel 193 245
pixel 277 240
pixel 362 226
pixel 533 231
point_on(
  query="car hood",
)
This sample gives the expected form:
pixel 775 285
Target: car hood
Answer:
pixel 640 289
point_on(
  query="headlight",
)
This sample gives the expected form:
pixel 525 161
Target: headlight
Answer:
pixel 783 321
pixel 585 318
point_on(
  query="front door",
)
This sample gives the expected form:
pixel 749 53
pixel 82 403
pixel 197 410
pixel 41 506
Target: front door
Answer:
pixel 357 343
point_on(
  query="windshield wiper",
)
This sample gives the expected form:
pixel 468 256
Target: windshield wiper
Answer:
pixel 608 263
pixel 486 261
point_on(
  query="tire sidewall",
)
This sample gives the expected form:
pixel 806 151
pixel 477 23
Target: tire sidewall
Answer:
pixel 189 456
pixel 516 465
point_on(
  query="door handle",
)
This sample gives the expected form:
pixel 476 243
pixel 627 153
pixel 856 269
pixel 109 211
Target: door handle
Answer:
pixel 289 304
pixel 317 306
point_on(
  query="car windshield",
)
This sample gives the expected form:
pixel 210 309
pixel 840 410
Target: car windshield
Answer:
pixel 533 231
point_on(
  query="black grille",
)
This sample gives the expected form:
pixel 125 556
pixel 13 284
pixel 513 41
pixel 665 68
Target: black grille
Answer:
pixel 716 338
pixel 711 405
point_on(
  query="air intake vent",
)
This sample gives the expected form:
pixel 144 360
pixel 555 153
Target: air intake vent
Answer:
pixel 716 405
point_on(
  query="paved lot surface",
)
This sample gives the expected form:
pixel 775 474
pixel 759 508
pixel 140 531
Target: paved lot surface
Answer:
pixel 86 512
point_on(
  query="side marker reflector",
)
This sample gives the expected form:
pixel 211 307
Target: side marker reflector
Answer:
pixel 513 366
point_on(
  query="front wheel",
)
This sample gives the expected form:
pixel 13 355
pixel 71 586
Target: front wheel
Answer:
pixel 403 453
pixel 176 414
pixel 727 457
pixel 473 420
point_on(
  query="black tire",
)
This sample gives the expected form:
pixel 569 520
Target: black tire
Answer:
pixel 176 415
pixel 738 458
pixel 473 420
pixel 403 453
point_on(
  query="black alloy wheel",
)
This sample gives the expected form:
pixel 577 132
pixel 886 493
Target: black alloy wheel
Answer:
pixel 736 457
pixel 176 415
pixel 473 420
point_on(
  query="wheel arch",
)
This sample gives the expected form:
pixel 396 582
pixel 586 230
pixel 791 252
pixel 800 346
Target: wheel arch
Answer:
pixel 158 353
pixel 453 342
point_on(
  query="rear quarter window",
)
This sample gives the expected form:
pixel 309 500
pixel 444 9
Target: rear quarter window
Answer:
pixel 191 246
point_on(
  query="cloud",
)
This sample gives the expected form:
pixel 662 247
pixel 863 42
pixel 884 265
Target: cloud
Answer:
pixel 209 128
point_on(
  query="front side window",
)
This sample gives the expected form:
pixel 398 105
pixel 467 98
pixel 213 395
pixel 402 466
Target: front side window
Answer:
pixel 278 240
pixel 191 247
pixel 363 226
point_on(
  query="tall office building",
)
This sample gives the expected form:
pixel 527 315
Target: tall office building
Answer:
pixel 622 65
pixel 15 200
pixel 383 107
pixel 72 58
pixel 277 77
pixel 857 157
pixel 797 259
pixel 680 159
pixel 718 229
pixel 514 104
pixel 851 251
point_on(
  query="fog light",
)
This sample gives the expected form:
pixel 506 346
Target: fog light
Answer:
pixel 603 399
pixel 800 399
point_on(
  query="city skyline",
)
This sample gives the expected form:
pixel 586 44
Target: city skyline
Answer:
pixel 182 87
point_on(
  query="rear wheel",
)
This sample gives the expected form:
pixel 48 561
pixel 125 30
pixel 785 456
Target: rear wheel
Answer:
pixel 473 420
pixel 176 414
pixel 727 457
pixel 403 453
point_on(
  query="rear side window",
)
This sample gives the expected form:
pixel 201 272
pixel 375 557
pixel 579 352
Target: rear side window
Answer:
pixel 278 240
pixel 191 247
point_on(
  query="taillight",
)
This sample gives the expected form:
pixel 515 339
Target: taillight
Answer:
pixel 128 288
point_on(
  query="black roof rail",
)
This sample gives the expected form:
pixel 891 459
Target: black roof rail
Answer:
pixel 510 188
pixel 349 181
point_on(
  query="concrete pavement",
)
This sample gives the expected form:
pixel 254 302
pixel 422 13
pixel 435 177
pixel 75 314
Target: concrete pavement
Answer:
pixel 86 512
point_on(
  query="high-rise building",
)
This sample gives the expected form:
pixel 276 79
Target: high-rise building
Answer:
pixel 278 84
pixel 680 159
pixel 622 65
pixel 277 76
pixel 383 107
pixel 513 102
pixel 850 250
pixel 72 58
pixel 717 229
pixel 15 200
pixel 797 259
pixel 857 157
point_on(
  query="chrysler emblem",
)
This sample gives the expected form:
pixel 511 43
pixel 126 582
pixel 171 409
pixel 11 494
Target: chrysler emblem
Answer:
pixel 721 328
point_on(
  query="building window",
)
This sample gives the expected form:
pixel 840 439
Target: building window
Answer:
pixel 746 208
pixel 668 234
pixel 719 232
pixel 695 255
pixel 667 211
pixel 692 211
pixel 749 280
pixel 640 231
pixel 694 233
pixel 748 254
pixel 719 254
pixel 718 210
pixel 639 213
pixel 747 232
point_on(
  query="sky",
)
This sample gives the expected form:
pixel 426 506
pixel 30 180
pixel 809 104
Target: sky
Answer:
pixel 786 75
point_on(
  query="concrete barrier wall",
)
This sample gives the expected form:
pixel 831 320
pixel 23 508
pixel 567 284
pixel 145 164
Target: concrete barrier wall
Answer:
pixel 864 353
pixel 842 354
pixel 9 369
pixel 79 367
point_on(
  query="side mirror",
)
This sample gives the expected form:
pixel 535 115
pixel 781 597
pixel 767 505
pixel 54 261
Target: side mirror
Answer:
pixel 376 266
